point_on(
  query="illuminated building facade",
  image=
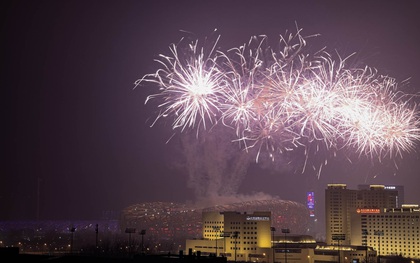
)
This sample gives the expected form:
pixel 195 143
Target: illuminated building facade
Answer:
pixel 238 236
pixel 310 203
pixel 341 203
pixel 249 237
pixel 390 231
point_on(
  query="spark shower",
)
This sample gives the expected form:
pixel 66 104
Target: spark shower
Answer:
pixel 283 99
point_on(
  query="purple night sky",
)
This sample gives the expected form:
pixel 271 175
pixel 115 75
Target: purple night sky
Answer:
pixel 74 126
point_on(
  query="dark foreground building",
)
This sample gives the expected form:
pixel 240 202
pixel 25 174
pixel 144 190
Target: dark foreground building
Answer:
pixel 12 255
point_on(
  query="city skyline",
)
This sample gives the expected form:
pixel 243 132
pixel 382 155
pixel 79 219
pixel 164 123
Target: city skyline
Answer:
pixel 78 139
pixel 170 224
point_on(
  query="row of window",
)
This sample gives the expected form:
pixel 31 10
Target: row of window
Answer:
pixel 396 245
pixel 390 216
pixel 250 227
pixel 401 229
pixel 386 237
pixel 233 223
pixel 403 252
pixel 389 223
pixel 245 248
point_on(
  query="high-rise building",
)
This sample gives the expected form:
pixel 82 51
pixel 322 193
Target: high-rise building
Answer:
pixel 390 231
pixel 398 188
pixel 341 203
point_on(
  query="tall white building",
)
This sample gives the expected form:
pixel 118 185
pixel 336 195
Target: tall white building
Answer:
pixel 341 203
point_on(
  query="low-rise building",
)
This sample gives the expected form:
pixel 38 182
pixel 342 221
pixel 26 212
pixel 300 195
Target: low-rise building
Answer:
pixel 250 237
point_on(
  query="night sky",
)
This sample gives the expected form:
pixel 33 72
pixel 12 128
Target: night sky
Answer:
pixel 76 135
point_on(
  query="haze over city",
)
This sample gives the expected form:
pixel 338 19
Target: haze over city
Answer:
pixel 77 136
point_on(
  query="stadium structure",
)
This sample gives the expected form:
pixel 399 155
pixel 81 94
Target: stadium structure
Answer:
pixel 176 222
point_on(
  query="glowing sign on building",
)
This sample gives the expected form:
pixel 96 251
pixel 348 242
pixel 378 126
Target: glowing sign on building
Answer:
pixel 258 218
pixel 310 203
pixel 368 211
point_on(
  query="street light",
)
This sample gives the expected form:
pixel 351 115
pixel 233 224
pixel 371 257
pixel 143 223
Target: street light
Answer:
pixel 285 231
pixel 142 233
pixel 364 235
pixel 224 235
pixel 379 233
pixel 235 235
pixel 273 229
pixel 216 229
pixel 129 231
pixel 72 229
pixel 96 234
pixel 339 237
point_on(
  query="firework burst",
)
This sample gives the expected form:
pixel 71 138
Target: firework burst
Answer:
pixel 281 99
pixel 189 87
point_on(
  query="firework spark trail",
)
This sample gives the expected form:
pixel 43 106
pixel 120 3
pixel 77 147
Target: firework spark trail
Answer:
pixel 283 99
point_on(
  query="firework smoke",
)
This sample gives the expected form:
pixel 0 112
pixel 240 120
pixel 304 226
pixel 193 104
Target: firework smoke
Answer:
pixel 215 166
pixel 273 101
